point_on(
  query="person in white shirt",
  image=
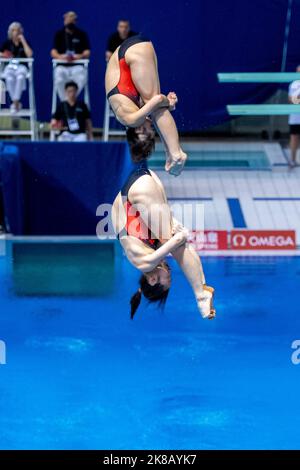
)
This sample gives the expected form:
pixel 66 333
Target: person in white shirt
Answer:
pixel 70 44
pixel 15 47
pixel 294 120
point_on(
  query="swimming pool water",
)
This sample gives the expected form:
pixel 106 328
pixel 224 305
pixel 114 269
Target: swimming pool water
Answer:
pixel 81 375
pixel 218 159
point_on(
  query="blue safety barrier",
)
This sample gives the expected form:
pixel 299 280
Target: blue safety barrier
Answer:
pixel 12 189
pixel 55 189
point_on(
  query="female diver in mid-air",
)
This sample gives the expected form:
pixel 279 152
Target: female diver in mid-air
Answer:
pixel 144 248
pixel 133 90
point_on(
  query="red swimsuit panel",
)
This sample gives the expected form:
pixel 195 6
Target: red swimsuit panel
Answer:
pixel 135 226
pixel 126 86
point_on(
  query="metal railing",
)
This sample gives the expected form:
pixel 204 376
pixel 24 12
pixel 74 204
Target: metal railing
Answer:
pixel 31 111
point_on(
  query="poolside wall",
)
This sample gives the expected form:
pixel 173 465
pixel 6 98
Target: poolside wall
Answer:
pixel 55 189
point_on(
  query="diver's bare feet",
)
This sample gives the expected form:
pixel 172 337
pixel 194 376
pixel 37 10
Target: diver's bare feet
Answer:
pixel 205 303
pixel 175 163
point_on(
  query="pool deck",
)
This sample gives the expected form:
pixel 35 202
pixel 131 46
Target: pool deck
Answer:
pixel 266 200
pixel 253 199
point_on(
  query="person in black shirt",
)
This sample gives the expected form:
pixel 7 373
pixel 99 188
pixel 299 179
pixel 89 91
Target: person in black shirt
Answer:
pixel 115 40
pixel 15 47
pixel 70 44
pixel 72 117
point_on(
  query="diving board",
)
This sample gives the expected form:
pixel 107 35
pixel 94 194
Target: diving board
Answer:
pixel 262 109
pixel 258 77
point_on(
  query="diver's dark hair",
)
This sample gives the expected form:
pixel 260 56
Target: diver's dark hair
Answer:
pixel 139 149
pixel 156 293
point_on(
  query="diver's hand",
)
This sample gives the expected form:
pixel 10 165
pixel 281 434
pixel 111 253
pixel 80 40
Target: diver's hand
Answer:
pixel 173 100
pixel 175 163
pixel 162 101
pixel 180 237
pixel 179 228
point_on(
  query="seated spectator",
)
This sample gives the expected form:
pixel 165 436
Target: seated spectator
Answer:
pixel 70 43
pixel 115 40
pixel 294 120
pixel 72 117
pixel 15 47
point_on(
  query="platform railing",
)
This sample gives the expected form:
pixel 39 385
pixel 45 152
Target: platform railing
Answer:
pixel 55 63
pixel 29 112
pixel 270 110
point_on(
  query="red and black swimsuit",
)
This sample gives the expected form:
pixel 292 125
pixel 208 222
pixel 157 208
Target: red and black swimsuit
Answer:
pixel 125 85
pixel 135 226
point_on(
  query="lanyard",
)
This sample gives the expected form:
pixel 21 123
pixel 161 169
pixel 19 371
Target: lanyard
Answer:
pixel 66 108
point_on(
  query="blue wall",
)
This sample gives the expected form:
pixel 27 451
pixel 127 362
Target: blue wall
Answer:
pixel 55 188
pixel 194 40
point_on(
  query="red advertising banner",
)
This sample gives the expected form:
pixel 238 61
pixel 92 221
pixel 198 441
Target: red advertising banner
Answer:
pixel 209 239
pixel 263 239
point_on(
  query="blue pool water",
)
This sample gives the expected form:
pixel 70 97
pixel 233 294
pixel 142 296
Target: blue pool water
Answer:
pixel 81 375
pixel 200 158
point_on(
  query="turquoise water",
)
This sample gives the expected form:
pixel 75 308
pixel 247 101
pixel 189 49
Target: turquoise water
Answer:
pixel 81 375
pixel 218 159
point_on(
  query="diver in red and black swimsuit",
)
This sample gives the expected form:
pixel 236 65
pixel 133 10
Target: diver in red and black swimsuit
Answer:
pixel 135 226
pixel 148 232
pixel 125 85
pixel 133 90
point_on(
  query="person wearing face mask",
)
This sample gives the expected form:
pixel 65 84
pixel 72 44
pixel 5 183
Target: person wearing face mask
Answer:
pixel 116 39
pixel 15 73
pixel 70 44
